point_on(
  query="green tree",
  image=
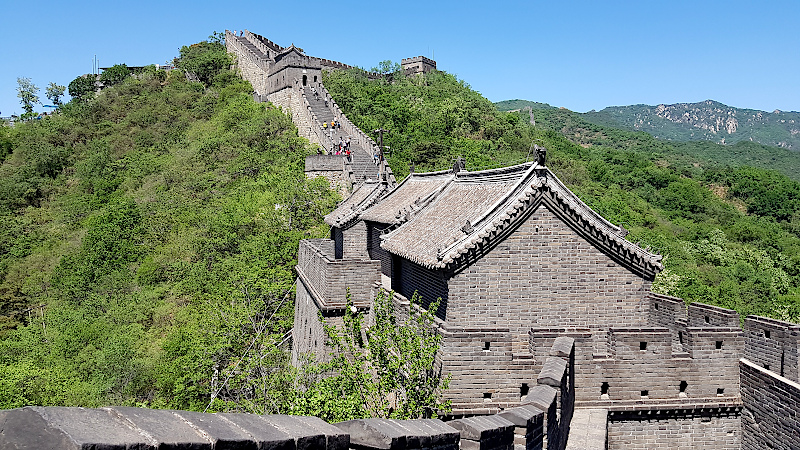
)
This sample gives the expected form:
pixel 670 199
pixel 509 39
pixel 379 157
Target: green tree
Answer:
pixel 387 369
pixel 81 87
pixel 386 67
pixel 204 59
pixel 54 92
pixel 27 93
pixel 115 74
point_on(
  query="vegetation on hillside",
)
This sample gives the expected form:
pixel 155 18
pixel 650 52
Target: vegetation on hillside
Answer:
pixel 729 236
pixel 577 129
pixel 704 121
pixel 431 120
pixel 147 254
pixel 148 243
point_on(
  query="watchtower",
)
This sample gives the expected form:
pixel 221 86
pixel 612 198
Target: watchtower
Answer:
pixel 418 64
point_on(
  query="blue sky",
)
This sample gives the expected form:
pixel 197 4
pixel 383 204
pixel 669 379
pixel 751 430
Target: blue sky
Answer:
pixel 581 55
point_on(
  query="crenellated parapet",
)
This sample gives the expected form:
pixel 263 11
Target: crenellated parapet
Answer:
pixel 329 281
pixel 773 345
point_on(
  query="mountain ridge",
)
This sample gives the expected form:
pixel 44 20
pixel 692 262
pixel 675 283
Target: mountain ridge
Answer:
pixel 708 120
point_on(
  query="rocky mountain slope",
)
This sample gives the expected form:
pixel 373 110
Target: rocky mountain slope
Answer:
pixel 708 120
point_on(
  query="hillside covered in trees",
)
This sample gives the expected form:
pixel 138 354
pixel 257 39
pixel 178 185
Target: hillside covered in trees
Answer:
pixel 148 243
pixel 730 235
pixel 151 230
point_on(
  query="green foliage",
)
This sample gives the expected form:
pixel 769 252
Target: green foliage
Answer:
pixel 205 59
pixel 386 67
pixel 729 236
pixel 54 92
pixel 432 120
pixel 387 369
pixel 578 129
pixel 82 87
pixel 6 143
pixel 115 74
pixel 710 121
pixel 513 105
pixel 146 254
pixel 26 91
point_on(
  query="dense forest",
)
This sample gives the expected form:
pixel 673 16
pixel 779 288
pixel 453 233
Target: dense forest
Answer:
pixel 148 250
pixel 729 234
pixel 151 230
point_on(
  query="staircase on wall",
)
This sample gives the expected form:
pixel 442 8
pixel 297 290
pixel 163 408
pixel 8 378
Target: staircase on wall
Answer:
pixel 361 158
pixel 361 162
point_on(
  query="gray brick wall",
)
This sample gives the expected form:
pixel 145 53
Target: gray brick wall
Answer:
pixel 332 278
pixel 773 344
pixel 771 416
pixel 355 241
pixel 705 432
pixel 546 275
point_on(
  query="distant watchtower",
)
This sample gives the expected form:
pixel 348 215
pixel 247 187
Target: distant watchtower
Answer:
pixel 419 64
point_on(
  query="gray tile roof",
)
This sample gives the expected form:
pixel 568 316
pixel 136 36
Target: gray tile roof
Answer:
pixel 347 212
pixel 476 209
pixel 410 196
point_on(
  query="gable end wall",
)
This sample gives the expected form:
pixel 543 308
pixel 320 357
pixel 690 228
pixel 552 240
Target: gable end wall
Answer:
pixel 545 275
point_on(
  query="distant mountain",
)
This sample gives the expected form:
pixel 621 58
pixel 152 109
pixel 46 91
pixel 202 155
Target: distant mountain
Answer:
pixel 513 105
pixel 704 121
pixel 699 153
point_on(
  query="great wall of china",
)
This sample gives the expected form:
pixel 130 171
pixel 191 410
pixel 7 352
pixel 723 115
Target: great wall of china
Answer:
pixel 549 328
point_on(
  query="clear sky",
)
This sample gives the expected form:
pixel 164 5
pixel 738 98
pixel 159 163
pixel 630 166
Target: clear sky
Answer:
pixel 581 55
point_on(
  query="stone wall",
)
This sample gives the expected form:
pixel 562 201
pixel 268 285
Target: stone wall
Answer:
pixel 773 345
pixel 250 66
pixel 546 275
pixel 354 245
pixel 688 429
pixel 123 428
pixel 330 280
pixel 330 167
pixel 771 418
pixel 486 374
pixel 639 364
pixel 291 102
pixel 374 249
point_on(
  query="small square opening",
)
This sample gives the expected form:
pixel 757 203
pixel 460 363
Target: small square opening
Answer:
pixel 766 366
pixel 523 390
pixel 718 345
pixel 680 337
pixel 486 346
pixel 645 393
pixel 683 386
pixel 604 388
pixel 642 345
pixel 707 319
pixel 656 306
pixel 766 334
pixel 720 392
pixel 487 397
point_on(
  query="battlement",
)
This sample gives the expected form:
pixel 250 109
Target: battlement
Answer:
pixel 322 163
pixel 329 280
pixel 702 315
pixel 417 65
pixel 773 345
pixel 415 59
